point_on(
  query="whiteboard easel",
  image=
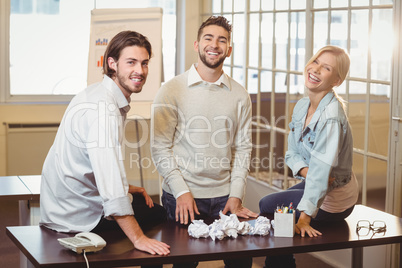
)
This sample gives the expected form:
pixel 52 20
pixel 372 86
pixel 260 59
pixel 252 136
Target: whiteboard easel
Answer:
pixel 105 24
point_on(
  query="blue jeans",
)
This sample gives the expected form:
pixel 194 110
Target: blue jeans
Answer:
pixel 208 208
pixel 269 203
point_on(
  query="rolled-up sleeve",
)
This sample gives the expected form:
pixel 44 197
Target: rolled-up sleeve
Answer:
pixel 120 206
pixel 292 157
pixel 106 158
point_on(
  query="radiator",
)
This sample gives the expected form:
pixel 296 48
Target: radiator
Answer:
pixel 27 146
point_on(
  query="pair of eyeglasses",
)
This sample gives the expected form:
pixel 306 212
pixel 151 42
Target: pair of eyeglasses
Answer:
pixel 363 227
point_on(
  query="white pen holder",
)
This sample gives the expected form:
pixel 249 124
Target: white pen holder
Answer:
pixel 284 224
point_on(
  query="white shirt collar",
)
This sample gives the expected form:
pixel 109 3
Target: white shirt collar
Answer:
pixel 194 79
pixel 122 102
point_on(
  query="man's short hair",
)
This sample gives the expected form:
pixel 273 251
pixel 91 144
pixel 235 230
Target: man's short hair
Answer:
pixel 215 20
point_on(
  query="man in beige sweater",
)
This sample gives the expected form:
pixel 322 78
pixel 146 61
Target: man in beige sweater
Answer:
pixel 201 136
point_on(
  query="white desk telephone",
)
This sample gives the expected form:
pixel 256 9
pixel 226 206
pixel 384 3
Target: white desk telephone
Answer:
pixel 87 241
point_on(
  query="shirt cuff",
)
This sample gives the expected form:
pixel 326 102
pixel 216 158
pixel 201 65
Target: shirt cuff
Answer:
pixel 237 189
pixel 308 208
pixel 297 167
pixel 181 193
pixel 120 206
pixel 177 185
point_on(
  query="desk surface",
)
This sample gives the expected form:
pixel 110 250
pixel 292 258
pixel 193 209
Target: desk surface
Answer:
pixel 12 188
pixel 20 187
pixel 43 250
pixel 32 182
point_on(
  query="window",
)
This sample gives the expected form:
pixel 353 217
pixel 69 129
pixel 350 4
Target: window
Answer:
pixel 282 35
pixel 41 6
pixel 49 42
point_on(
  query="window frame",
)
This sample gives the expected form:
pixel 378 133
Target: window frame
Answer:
pixel 309 50
pixel 5 95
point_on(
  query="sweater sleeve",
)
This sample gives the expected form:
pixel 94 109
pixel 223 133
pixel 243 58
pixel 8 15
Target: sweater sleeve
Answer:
pixel 241 152
pixel 164 120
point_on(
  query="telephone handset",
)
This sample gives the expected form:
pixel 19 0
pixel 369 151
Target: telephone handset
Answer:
pixel 87 241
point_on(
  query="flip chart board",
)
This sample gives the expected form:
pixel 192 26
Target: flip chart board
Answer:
pixel 106 23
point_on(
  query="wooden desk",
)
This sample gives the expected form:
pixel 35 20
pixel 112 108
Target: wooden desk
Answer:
pixel 32 182
pixel 43 250
pixel 23 189
pixel 20 187
pixel 12 188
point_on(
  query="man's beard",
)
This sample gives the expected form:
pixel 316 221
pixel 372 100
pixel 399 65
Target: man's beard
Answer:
pixel 209 65
pixel 126 85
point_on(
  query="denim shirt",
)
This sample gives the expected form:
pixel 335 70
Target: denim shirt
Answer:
pixel 325 146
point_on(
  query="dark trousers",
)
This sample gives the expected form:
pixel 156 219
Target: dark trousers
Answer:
pixel 208 208
pixel 146 217
pixel 269 203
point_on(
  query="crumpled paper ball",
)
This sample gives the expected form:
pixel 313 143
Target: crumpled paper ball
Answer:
pixel 216 230
pixel 198 229
pixel 261 227
pixel 228 226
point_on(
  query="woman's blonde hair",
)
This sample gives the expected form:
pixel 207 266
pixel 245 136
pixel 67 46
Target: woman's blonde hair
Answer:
pixel 342 64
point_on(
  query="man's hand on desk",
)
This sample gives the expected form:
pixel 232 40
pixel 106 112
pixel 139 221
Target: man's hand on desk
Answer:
pixel 185 205
pixel 141 190
pixel 152 246
pixel 130 227
pixel 234 205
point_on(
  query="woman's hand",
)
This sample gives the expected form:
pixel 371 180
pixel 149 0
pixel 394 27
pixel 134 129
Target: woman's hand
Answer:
pixel 303 172
pixel 303 226
pixel 141 190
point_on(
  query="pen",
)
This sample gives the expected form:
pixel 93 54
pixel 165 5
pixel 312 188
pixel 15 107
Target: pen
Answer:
pixel 291 207
pixel 278 209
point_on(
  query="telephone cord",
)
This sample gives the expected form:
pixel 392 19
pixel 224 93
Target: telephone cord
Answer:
pixel 86 259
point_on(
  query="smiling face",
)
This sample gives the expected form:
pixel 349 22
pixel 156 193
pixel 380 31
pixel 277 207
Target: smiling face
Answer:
pixel 213 46
pixel 131 69
pixel 321 74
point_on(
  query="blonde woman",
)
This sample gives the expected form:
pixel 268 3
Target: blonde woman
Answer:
pixel 320 151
